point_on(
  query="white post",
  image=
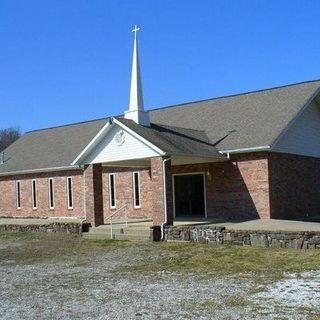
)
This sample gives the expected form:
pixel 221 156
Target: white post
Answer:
pixel 111 231
pixel 126 216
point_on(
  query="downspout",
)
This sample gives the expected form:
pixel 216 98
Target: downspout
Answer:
pixel 84 195
pixel 164 197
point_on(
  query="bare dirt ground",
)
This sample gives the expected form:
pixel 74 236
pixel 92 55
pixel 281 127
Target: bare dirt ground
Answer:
pixel 49 276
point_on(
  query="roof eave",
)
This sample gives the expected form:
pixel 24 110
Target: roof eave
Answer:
pixel 245 150
pixel 219 157
pixel 44 170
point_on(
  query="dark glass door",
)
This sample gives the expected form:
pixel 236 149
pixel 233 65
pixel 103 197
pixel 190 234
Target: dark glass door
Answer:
pixel 189 195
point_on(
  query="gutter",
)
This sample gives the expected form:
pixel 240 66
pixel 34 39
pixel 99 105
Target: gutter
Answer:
pixel 253 149
pixel 14 173
pixel 164 198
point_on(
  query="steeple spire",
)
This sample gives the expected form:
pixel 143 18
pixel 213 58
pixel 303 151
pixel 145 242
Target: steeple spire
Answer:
pixel 136 109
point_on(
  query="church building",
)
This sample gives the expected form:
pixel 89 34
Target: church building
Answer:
pixel 245 156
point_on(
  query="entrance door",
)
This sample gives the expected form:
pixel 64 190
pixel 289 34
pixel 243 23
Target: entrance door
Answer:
pixel 189 195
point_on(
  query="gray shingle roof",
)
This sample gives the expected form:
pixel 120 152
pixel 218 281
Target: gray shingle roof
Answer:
pixel 175 140
pixel 234 122
pixel 49 148
pixel 241 121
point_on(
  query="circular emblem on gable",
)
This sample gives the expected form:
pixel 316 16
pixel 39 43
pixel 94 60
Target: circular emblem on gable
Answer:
pixel 119 138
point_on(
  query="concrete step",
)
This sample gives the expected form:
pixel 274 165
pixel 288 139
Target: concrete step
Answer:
pixel 134 231
pixel 116 236
pixel 142 231
pixel 134 221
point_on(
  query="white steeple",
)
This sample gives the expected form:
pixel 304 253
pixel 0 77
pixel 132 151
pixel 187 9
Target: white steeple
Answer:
pixel 136 110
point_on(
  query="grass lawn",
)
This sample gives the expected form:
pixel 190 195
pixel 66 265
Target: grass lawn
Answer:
pixel 174 257
pixel 254 274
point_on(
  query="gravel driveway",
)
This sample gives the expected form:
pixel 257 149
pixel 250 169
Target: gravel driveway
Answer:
pixel 101 286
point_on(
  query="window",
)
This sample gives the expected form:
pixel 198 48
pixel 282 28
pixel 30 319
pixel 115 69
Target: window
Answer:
pixel 34 194
pixel 18 194
pixel 51 193
pixel 69 193
pixel 136 189
pixel 112 190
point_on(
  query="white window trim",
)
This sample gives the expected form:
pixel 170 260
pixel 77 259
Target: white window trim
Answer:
pixel 49 195
pixel 18 182
pixel 114 190
pixel 134 190
pixel 34 193
pixel 68 193
pixel 204 191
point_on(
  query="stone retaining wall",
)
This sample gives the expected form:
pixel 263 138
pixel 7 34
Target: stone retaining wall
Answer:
pixel 219 236
pixel 52 227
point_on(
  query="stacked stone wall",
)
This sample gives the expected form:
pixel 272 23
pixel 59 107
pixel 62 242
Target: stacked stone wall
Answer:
pixel 221 236
pixel 75 228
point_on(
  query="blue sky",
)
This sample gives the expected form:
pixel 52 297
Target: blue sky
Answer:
pixel 64 61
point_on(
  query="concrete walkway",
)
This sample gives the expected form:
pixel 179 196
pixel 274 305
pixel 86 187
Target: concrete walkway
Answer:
pixel 259 224
pixel 31 221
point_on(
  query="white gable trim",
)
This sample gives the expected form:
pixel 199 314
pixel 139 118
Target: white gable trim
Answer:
pixel 84 154
pixel 296 117
pixel 90 146
pixel 143 140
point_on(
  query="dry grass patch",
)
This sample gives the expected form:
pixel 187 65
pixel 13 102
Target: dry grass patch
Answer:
pixel 230 260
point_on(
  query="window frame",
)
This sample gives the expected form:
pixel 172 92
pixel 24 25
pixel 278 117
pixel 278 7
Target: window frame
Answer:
pixel 18 194
pixel 34 194
pixel 135 198
pixel 70 193
pixel 51 192
pixel 111 206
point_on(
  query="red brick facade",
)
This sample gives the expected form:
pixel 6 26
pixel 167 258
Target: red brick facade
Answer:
pixel 151 191
pixel 237 189
pixel 8 205
pixel 249 186
pixel 93 206
pixel 294 186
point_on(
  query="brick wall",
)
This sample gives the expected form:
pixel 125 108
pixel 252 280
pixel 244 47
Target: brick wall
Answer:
pixel 294 186
pixel 93 194
pixel 8 206
pixel 237 189
pixel 151 191
pixel 247 187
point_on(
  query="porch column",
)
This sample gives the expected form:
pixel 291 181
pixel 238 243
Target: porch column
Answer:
pixel 93 194
pixel 160 192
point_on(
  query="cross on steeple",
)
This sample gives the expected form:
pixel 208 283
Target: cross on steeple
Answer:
pixel 135 30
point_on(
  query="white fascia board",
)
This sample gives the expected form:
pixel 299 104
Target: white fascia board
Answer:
pixel 253 149
pixel 98 137
pixel 196 155
pixel 137 136
pixel 53 169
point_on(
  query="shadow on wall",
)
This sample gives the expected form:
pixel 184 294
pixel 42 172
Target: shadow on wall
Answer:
pixel 227 194
pixel 294 187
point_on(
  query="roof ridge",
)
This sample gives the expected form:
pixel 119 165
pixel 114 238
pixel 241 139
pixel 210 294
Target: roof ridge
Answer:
pixel 67 125
pixel 235 95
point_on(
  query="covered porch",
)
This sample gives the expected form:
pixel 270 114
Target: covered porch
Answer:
pixel 161 189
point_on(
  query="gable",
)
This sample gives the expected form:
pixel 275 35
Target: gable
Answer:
pixel 303 137
pixel 118 145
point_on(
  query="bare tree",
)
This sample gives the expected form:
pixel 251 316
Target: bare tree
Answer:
pixel 8 136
